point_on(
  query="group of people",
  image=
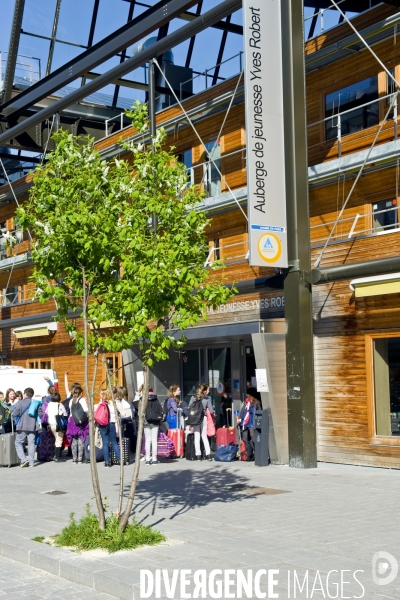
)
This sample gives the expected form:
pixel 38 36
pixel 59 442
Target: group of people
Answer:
pixel 115 417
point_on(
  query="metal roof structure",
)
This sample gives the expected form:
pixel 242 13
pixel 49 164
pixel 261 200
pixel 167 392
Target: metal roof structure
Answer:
pixel 78 56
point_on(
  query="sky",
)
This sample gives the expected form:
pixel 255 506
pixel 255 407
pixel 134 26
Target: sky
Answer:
pixel 74 23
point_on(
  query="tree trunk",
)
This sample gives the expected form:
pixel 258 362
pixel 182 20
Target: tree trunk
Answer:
pixel 93 463
pixel 119 427
pixel 135 476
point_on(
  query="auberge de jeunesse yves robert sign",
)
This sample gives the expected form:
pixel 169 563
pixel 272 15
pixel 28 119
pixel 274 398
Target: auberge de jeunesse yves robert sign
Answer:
pixel 265 133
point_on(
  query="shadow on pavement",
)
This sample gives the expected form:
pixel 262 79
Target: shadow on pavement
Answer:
pixel 188 489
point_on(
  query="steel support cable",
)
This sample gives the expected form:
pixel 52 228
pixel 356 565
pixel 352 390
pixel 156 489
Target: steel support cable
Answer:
pixel 48 139
pixel 198 136
pixel 317 262
pixel 365 43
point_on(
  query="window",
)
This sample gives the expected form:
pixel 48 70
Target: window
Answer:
pixel 212 178
pixel 386 366
pixel 384 215
pixel 12 295
pixel 350 98
pixel 40 363
pixel 186 159
pixel 113 362
pixel 3 239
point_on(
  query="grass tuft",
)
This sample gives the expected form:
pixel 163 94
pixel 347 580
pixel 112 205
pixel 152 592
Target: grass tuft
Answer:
pixel 38 538
pixel 86 535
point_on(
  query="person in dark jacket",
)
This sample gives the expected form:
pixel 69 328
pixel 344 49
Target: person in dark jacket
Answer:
pixel 203 392
pixel 246 423
pixel 151 427
pixel 26 429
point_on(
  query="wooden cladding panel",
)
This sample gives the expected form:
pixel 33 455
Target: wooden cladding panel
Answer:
pixel 173 111
pixel 341 369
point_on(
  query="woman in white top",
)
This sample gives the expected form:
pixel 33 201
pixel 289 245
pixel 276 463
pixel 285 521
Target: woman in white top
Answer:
pixel 53 409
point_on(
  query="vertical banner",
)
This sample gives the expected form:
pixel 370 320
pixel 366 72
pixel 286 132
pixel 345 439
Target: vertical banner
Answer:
pixel 266 191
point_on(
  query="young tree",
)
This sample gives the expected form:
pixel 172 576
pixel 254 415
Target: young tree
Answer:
pixel 100 251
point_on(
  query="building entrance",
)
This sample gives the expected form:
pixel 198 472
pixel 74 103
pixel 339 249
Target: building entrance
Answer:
pixel 214 367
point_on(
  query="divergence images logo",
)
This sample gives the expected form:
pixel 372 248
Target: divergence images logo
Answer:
pixel 384 568
pixel 269 247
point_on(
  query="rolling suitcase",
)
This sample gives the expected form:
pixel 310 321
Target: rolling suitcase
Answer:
pixel 99 451
pixel 8 453
pixel 178 436
pixel 46 447
pixel 190 451
pixel 124 451
pixel 226 436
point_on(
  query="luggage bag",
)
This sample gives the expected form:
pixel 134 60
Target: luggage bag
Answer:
pixel 99 451
pixel 47 446
pixel 8 454
pixel 178 436
pixel 124 451
pixel 226 453
pixel 190 452
pixel 226 436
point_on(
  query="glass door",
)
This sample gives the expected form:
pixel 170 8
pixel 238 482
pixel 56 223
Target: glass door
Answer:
pixel 219 373
pixel 192 372
pixel 249 372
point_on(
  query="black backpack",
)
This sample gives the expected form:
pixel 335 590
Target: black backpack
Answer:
pixel 165 409
pixel 196 413
pixel 154 410
pixel 78 414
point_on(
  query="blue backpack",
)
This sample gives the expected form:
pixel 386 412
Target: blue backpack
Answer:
pixel 226 453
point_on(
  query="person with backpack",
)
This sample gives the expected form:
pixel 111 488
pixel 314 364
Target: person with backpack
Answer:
pixel 197 419
pixel 10 400
pixel 171 405
pixel 26 428
pixel 78 424
pixel 108 431
pixel 5 417
pixel 153 417
pixel 55 409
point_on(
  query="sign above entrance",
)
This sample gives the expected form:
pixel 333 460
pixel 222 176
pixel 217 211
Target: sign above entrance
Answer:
pixel 266 191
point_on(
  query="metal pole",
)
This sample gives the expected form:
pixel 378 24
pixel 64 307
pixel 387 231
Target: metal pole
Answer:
pixel 13 50
pixel 339 136
pixel 152 115
pixel 298 299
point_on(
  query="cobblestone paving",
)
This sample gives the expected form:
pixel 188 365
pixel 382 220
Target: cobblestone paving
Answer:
pixel 20 582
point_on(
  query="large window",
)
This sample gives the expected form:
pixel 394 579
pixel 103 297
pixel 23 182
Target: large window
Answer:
pixel 386 367
pixel 12 295
pixel 40 363
pixel 212 178
pixel 384 215
pixel 114 369
pixel 351 98
pixel 185 158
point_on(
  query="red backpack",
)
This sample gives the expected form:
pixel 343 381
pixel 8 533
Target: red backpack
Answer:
pixel 101 414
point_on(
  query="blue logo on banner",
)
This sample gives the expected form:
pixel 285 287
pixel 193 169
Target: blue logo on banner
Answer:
pixel 268 245
pixel 269 228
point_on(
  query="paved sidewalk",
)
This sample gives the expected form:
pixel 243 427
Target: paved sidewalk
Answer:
pixel 20 582
pixel 224 516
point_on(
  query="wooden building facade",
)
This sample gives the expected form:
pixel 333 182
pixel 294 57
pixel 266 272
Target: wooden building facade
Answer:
pixel 356 329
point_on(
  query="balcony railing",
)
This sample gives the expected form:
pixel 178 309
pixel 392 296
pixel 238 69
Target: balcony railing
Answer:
pixel 228 254
pixel 337 124
pixel 355 226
